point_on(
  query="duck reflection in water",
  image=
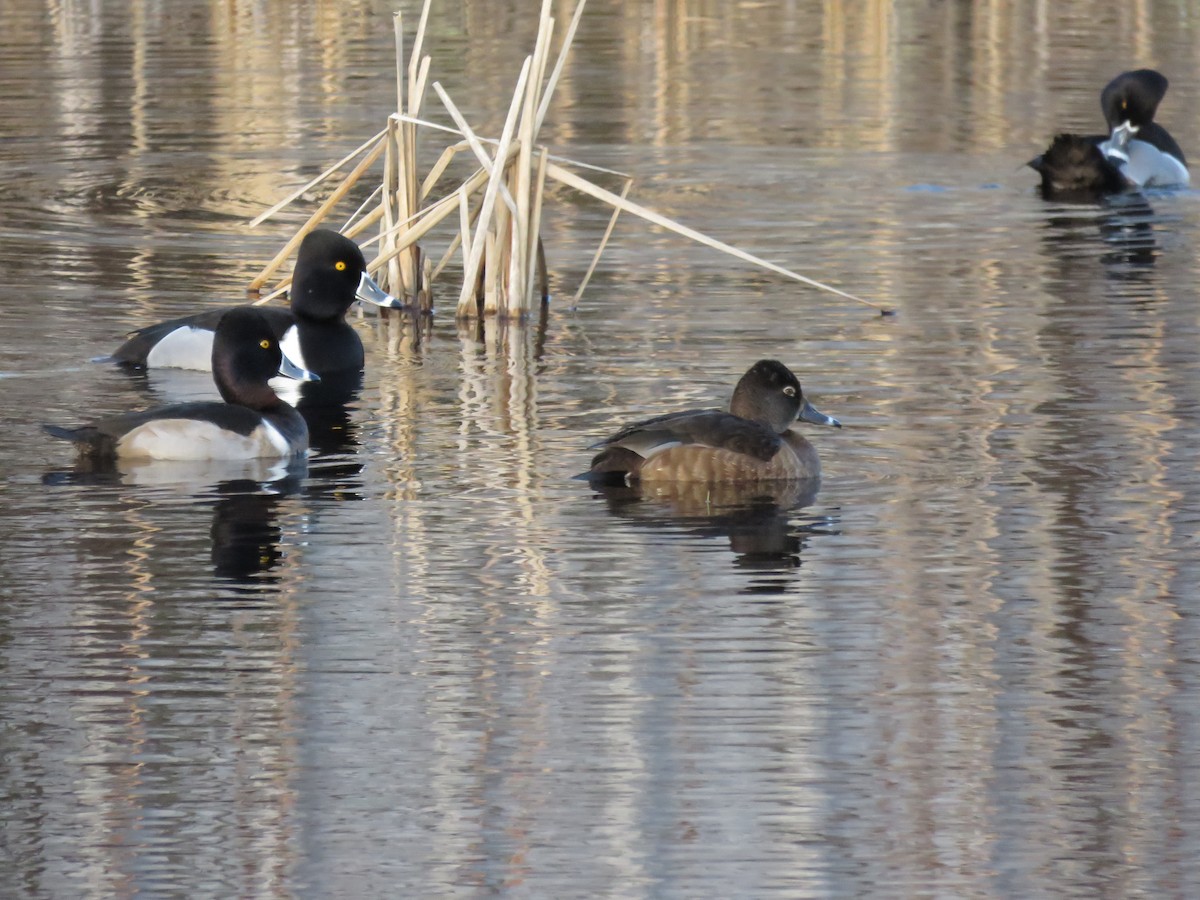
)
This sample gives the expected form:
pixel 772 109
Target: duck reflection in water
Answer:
pixel 759 520
pixel 335 468
pixel 1117 231
pixel 246 535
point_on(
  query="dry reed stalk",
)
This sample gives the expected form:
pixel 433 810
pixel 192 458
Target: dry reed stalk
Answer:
pixel 533 236
pixel 424 221
pixel 558 173
pixel 476 143
pixel 401 194
pixel 364 209
pixel 465 299
pixel 518 296
pixel 552 83
pixel 416 83
pixel 440 166
pixel 364 218
pixel 394 282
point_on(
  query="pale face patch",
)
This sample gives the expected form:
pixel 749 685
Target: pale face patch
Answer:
pixel 192 439
pixel 184 348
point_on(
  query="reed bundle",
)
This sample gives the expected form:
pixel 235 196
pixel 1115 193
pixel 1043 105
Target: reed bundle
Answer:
pixel 499 205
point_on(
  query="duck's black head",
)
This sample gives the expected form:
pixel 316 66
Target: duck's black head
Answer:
pixel 329 267
pixel 1133 97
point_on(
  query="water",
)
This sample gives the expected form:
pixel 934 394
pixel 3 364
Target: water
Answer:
pixel 432 664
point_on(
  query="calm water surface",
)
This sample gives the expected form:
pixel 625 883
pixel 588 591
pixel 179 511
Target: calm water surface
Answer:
pixel 431 663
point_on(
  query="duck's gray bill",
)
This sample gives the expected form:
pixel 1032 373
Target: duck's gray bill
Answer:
pixel 369 292
pixel 814 416
pixel 291 370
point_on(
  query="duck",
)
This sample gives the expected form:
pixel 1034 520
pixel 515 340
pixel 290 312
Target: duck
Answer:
pixel 1136 153
pixel 754 440
pixel 1144 151
pixel 330 274
pixel 1075 169
pixel 252 422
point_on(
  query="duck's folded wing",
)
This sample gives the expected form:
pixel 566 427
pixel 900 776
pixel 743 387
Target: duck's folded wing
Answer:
pixel 699 427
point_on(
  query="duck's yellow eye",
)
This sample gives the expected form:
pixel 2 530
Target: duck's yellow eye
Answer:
pixel 340 266
pixel 265 344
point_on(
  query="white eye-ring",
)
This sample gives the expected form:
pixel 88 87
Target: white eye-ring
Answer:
pixel 789 391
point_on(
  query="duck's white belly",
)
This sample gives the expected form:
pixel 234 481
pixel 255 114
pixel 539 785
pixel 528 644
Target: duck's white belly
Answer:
pixel 192 439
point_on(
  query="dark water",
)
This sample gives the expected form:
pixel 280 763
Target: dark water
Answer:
pixel 434 665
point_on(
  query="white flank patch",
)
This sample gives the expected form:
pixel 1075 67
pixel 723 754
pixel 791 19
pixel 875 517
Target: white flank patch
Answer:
pixel 290 390
pixel 290 345
pixel 648 448
pixel 191 439
pixel 1150 167
pixel 1145 165
pixel 183 348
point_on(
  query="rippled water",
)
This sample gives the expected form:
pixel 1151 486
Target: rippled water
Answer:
pixel 433 664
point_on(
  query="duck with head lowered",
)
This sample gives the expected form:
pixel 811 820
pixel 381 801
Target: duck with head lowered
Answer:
pixel 1137 152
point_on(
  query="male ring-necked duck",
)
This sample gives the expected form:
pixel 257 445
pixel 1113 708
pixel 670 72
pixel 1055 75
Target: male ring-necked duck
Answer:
pixel 330 275
pixel 753 441
pixel 1137 152
pixel 252 423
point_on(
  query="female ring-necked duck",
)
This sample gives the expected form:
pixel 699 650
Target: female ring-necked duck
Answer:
pixel 1137 151
pixel 753 441
pixel 252 423
pixel 330 274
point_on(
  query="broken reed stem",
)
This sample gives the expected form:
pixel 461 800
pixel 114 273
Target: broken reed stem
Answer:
pixel 439 167
pixel 473 140
pixel 416 80
pixel 295 195
pixel 365 210
pixel 514 294
pixel 466 218
pixel 548 91
pixel 578 164
pixel 398 29
pixel 612 223
pixel 323 210
pixel 570 179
